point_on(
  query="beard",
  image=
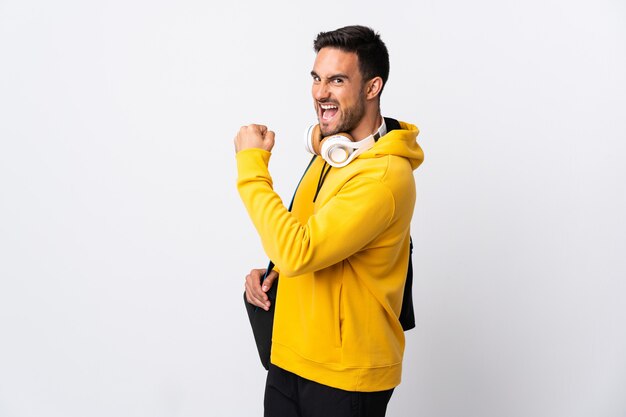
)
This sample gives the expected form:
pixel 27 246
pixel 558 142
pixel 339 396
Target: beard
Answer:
pixel 351 116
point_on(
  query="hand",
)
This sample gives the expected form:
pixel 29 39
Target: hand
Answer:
pixel 255 294
pixel 254 136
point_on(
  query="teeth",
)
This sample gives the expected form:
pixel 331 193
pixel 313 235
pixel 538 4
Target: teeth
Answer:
pixel 328 106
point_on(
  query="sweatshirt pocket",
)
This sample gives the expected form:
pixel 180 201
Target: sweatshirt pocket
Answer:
pixel 339 318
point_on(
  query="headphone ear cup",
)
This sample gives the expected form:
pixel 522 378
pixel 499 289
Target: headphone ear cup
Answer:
pixel 336 149
pixel 313 139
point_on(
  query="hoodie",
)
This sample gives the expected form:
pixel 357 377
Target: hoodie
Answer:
pixel 342 253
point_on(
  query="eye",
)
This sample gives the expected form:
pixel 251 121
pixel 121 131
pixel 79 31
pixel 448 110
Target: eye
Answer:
pixel 337 81
pixel 316 79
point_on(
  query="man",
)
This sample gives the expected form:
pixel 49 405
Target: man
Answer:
pixel 343 251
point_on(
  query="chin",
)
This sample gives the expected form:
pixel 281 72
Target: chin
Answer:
pixel 329 128
pixel 328 132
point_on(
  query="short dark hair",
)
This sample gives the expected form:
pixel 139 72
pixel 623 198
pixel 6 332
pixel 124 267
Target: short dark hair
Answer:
pixel 367 44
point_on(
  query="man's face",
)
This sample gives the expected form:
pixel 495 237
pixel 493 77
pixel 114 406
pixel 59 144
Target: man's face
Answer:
pixel 338 95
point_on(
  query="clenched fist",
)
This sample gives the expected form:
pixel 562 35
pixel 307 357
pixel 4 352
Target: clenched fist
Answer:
pixel 254 136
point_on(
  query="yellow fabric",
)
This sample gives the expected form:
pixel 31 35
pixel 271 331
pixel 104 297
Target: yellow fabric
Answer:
pixel 342 259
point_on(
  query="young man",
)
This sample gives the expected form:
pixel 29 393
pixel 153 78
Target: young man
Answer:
pixel 343 250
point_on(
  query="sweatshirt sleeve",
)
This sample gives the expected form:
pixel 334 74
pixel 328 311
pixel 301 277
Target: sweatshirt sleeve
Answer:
pixel 351 219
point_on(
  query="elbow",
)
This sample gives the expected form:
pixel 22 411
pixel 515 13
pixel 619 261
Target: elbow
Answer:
pixel 294 254
pixel 292 267
pixel 295 263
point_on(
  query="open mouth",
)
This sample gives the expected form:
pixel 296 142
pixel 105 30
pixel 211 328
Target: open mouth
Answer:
pixel 328 111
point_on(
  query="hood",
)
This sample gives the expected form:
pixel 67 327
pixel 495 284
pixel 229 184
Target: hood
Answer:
pixel 398 142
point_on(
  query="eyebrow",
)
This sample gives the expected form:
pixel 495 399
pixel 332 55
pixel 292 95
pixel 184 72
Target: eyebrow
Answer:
pixel 314 74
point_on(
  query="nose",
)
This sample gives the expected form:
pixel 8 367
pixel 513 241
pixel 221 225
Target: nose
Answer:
pixel 320 91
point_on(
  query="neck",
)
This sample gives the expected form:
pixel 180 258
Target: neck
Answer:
pixel 368 126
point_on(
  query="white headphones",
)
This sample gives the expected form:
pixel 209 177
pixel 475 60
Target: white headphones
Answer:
pixel 338 149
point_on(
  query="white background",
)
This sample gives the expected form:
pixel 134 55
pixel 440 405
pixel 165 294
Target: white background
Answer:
pixel 124 245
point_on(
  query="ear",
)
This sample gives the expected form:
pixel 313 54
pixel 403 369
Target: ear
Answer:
pixel 374 86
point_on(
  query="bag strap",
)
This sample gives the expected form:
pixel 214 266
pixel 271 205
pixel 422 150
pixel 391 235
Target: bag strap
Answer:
pixel 407 312
pixel 392 124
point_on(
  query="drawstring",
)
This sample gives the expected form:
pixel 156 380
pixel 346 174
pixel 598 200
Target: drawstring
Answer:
pixel 325 170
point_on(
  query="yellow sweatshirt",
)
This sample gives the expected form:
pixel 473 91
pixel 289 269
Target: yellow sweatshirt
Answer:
pixel 342 259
